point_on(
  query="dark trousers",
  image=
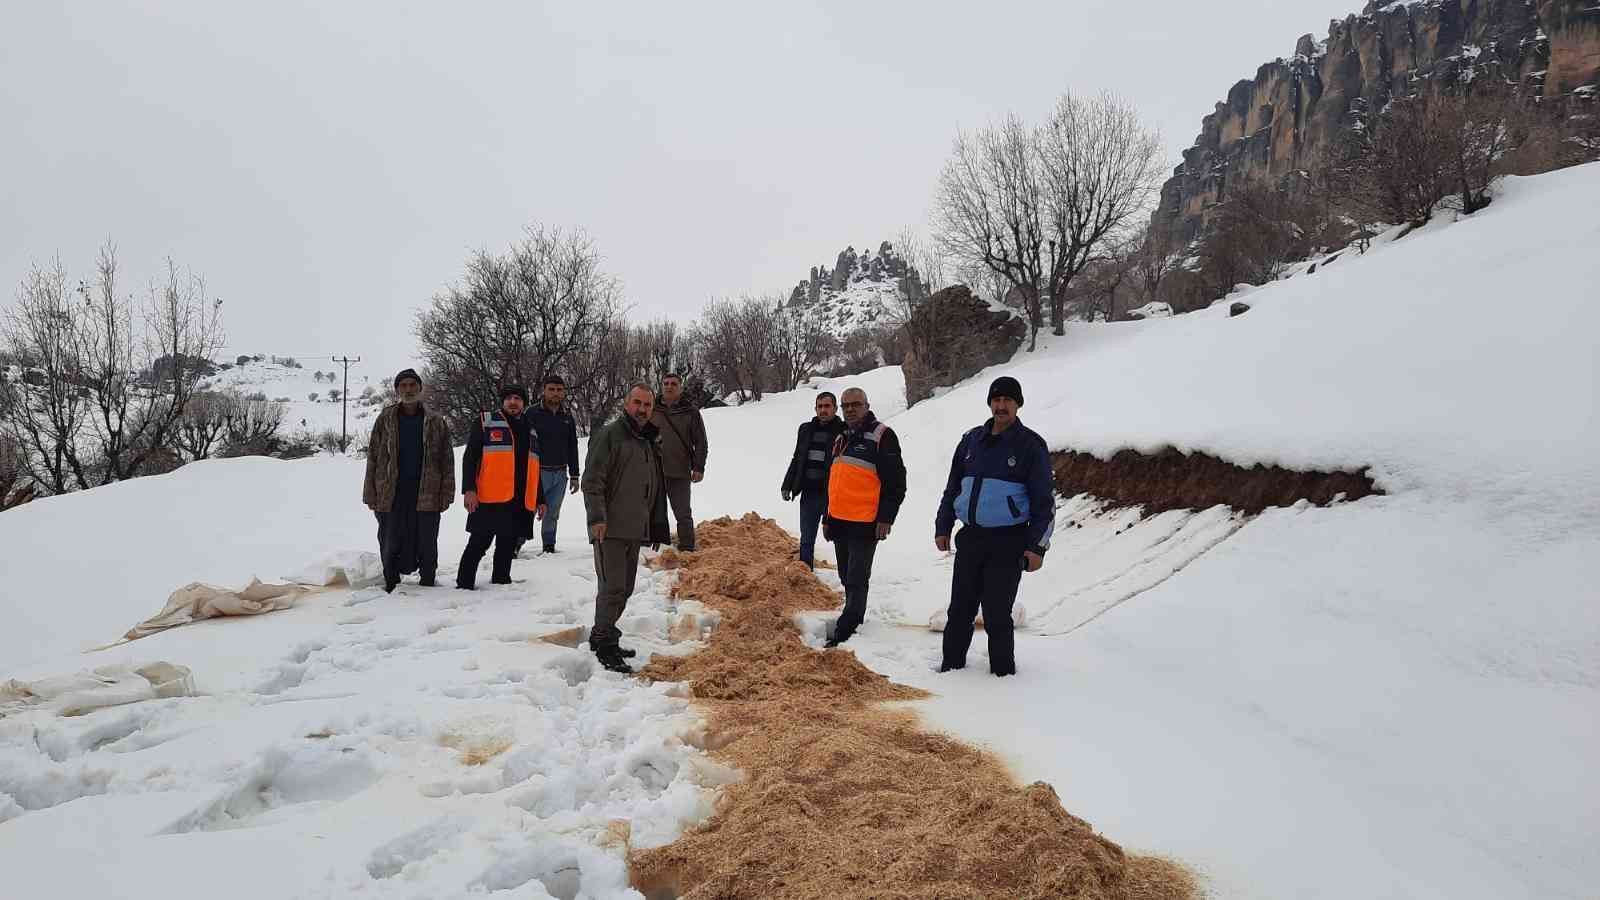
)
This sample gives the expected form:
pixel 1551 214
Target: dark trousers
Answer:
pixel 987 571
pixel 616 567
pixel 810 520
pixel 505 549
pixel 408 540
pixel 855 570
pixel 678 496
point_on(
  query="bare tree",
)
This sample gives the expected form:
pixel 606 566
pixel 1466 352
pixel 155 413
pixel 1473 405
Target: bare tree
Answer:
pixel 1403 168
pixel 1253 237
pixel 516 317
pixel 254 427
pixel 925 264
pixel 1038 206
pixel 1100 165
pixel 44 413
pixel 602 373
pixel 1150 258
pixel 143 373
pixel 989 210
pixel 800 346
pixel 737 341
pixel 204 424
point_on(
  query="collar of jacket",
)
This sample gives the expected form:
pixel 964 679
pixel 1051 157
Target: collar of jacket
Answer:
pixel 683 405
pixel 834 422
pixel 868 422
pixel 989 437
pixel 648 431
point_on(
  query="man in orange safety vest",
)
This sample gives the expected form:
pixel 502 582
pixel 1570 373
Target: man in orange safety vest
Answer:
pixel 500 487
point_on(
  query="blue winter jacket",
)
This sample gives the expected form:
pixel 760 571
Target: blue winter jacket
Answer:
pixel 999 481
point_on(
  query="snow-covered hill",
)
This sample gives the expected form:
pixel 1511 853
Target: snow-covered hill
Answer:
pixel 297 385
pixel 1388 698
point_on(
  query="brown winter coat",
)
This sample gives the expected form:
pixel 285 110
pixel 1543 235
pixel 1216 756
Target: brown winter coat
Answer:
pixel 438 486
pixel 683 438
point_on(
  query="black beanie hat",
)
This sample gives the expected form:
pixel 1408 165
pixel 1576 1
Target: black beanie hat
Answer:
pixel 404 374
pixel 517 389
pixel 1006 386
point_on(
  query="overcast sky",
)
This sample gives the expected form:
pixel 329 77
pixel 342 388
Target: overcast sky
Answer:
pixel 328 166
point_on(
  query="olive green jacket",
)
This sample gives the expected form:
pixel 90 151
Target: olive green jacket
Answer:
pixel 623 485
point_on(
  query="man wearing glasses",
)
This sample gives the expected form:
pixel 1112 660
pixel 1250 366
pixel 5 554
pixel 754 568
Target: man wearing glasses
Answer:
pixel 866 485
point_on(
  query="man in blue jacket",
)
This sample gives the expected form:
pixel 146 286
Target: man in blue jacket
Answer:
pixel 558 453
pixel 1001 488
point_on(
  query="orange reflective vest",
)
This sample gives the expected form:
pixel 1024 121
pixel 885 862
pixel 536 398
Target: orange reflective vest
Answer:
pixel 853 484
pixel 497 470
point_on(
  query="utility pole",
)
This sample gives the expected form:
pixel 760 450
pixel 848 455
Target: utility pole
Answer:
pixel 344 402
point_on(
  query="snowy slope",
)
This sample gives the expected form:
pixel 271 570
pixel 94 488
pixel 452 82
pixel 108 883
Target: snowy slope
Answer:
pixel 1392 698
pixel 1405 685
pixel 296 385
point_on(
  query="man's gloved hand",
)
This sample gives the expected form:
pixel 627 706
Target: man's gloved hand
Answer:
pixel 942 542
pixel 787 495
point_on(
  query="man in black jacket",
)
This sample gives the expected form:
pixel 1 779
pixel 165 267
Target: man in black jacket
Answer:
pixel 503 514
pixel 558 453
pixel 807 476
pixel 866 485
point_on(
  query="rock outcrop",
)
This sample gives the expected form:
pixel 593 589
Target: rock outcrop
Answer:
pixel 859 291
pixel 954 335
pixel 1279 121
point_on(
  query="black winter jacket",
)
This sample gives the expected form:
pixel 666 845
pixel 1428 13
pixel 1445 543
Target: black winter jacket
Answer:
pixel 813 445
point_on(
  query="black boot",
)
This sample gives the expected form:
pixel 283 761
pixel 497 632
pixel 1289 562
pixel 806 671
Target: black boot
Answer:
pixel 627 652
pixel 611 660
pixel 426 580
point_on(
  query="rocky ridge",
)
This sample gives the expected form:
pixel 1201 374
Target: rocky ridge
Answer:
pixel 1295 107
pixel 859 291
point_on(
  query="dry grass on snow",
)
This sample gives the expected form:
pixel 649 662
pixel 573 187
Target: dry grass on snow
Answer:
pixel 843 795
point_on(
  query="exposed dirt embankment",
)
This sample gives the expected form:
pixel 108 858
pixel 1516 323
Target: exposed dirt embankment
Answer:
pixel 843 797
pixel 1173 480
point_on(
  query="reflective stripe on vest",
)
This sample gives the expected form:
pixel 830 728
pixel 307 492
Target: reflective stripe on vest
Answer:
pixel 853 485
pixel 497 469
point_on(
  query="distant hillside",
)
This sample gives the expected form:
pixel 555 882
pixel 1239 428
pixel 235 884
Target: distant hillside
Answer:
pixel 294 382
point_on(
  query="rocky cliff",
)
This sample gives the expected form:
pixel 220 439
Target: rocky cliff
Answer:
pixel 858 291
pixel 1275 123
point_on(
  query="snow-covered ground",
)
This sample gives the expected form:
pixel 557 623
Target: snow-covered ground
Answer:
pixel 1389 698
pixel 420 744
